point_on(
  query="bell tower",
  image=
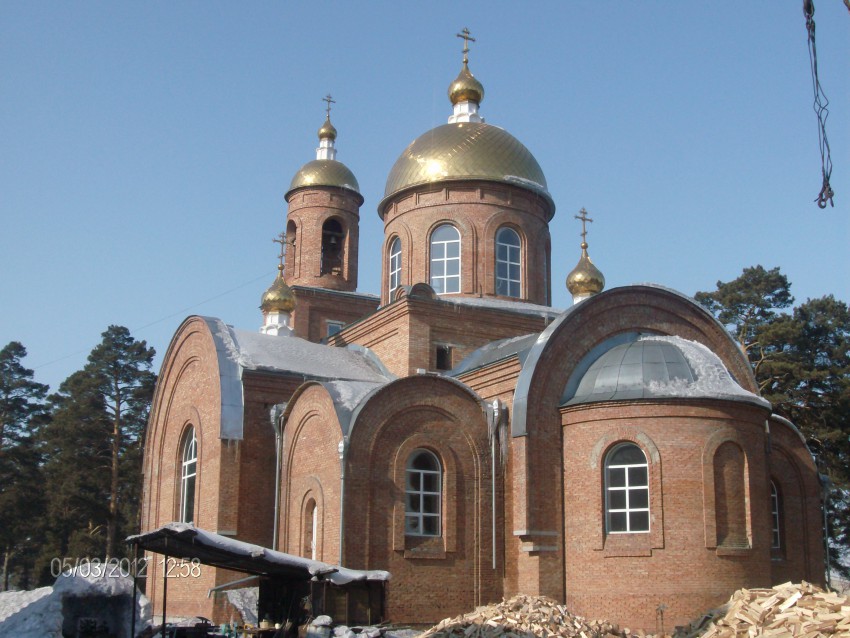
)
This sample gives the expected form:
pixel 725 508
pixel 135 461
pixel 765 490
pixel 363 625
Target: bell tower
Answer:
pixel 322 221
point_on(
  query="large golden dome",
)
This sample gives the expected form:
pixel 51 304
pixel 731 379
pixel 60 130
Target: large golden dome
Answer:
pixel 324 172
pixel 466 151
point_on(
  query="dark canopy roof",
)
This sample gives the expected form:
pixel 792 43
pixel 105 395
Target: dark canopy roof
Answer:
pixel 183 540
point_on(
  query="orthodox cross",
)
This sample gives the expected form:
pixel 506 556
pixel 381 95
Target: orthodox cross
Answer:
pixel 584 219
pixel 466 40
pixel 330 101
pixel 281 239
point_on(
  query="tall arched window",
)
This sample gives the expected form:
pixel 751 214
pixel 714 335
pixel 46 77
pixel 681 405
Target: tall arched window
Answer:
pixel 395 265
pixel 423 491
pixel 188 474
pixel 311 515
pixel 332 238
pixel 445 260
pixel 508 260
pixel 626 490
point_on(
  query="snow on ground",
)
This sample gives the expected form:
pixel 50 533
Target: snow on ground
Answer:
pixel 38 613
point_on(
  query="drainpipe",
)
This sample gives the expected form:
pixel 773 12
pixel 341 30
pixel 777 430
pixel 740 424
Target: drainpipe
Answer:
pixel 276 416
pixel 341 450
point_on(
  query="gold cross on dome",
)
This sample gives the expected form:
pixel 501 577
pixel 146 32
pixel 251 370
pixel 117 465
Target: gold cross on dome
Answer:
pixel 466 40
pixel 584 219
pixel 281 239
pixel 330 101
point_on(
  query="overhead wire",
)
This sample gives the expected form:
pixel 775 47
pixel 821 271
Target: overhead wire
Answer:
pixel 820 107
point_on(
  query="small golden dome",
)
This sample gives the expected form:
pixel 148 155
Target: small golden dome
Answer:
pixel 466 88
pixel 327 130
pixel 279 296
pixel 585 278
pixel 324 172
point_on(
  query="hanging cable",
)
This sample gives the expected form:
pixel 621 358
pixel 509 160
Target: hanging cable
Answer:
pixel 820 106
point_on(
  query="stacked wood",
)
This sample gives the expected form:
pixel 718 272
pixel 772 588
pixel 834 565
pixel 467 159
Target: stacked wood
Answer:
pixel 787 610
pixel 524 617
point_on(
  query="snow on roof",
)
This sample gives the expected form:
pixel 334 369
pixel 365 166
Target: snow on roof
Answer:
pixel 654 366
pixel 496 351
pixel 347 395
pixel 241 553
pixel 240 350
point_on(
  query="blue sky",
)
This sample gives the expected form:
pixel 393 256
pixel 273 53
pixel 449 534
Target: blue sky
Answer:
pixel 146 147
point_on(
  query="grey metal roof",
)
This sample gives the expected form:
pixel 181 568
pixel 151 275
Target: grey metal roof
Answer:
pixel 519 307
pixel 657 367
pixel 496 351
pixel 240 350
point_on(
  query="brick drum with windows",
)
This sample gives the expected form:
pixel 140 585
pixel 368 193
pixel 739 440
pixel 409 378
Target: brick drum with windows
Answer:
pixel 459 432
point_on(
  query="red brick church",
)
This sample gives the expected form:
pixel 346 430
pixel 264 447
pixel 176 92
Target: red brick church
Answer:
pixel 462 434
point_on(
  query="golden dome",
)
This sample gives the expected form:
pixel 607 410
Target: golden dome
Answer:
pixel 279 297
pixel 327 130
pixel 324 172
pixel 466 151
pixel 585 279
pixel 466 88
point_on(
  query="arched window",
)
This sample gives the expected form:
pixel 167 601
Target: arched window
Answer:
pixel 332 237
pixel 626 490
pixel 189 472
pixel 311 515
pixel 775 514
pixel 423 491
pixel 395 265
pixel 508 260
pixel 445 260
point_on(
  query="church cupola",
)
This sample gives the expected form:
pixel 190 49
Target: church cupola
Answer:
pixel 585 280
pixel 466 93
pixel 278 301
pixel 322 222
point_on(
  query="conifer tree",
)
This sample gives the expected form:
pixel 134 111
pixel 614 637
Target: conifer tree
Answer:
pixel 22 410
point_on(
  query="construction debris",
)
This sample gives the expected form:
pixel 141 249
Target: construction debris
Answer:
pixel 786 611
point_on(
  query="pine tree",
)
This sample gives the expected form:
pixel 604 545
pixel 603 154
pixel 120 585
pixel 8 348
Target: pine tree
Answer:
pixel 121 367
pixel 21 412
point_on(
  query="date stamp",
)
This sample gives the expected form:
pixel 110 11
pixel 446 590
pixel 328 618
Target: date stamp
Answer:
pixel 169 567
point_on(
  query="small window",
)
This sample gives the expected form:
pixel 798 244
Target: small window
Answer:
pixel 395 265
pixel 311 515
pixel 626 490
pixel 444 358
pixel 423 492
pixel 508 263
pixel 445 260
pixel 334 327
pixel 775 514
pixel 189 465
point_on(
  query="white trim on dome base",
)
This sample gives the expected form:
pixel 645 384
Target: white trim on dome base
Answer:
pixel 276 324
pixel 465 112
pixel 326 150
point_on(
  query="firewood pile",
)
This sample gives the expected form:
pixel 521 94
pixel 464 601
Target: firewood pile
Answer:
pixel 792 610
pixel 789 610
pixel 523 617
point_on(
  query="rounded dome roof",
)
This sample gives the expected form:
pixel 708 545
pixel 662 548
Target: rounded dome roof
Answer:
pixel 659 367
pixel 278 298
pixel 465 151
pixel 327 130
pixel 324 172
pixel 585 278
pixel 466 87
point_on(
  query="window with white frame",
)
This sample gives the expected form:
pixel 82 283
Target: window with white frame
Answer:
pixel 626 490
pixel 423 490
pixel 189 472
pixel 395 265
pixel 445 260
pixel 775 502
pixel 508 263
